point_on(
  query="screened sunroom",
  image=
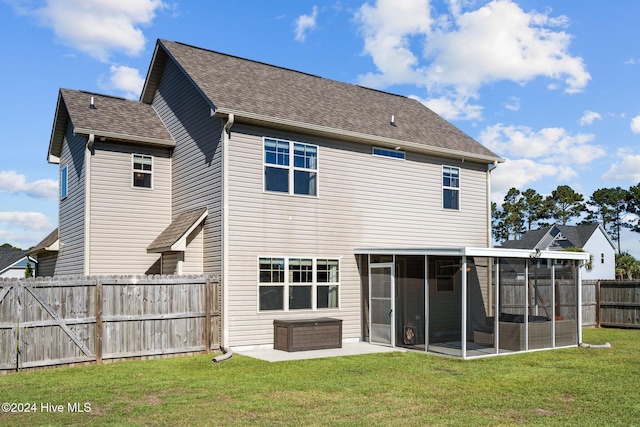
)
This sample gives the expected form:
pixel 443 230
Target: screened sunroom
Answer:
pixel 471 302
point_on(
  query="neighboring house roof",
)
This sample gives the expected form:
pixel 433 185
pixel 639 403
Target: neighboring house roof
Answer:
pixel 174 237
pixel 108 117
pixel 48 244
pixel 562 236
pixel 9 257
pixel 259 93
pixel 529 239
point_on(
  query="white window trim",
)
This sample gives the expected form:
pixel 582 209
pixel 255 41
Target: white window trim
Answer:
pixel 153 166
pixel 64 189
pixel 404 154
pixel 291 168
pixel 286 284
pixel 444 187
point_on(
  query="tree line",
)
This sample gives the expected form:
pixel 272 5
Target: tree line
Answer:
pixel 521 211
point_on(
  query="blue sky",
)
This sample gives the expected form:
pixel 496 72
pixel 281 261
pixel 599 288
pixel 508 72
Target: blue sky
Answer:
pixel 551 86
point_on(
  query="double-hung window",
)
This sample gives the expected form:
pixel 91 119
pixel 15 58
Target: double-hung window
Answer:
pixel 271 284
pixel 64 181
pixel 290 167
pixel 327 283
pixel 298 283
pixel 142 171
pixel 450 187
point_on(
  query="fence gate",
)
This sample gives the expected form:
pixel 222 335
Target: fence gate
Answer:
pixel 46 323
pixel 65 320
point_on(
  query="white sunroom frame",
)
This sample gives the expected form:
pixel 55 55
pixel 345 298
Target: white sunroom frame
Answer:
pixel 466 252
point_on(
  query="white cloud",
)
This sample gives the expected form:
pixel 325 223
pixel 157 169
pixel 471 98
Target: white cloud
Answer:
pixel 26 220
pixel 536 155
pixel 23 229
pixel 305 23
pixel 124 79
pixel 635 124
pixel 627 169
pixel 520 173
pixel 387 28
pixel 453 107
pixel 13 183
pixel 464 50
pixel 589 117
pixel 97 27
pixel 513 104
pixel 549 145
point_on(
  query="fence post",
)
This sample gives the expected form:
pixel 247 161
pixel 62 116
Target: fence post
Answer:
pixel 98 349
pixel 598 303
pixel 207 315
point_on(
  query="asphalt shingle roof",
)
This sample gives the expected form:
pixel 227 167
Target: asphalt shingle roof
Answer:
pixel 112 117
pixel 177 229
pixel 577 236
pixel 242 86
pixel 9 257
pixel 46 242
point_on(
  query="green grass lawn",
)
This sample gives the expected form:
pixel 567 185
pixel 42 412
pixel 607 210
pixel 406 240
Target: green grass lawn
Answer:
pixel 573 386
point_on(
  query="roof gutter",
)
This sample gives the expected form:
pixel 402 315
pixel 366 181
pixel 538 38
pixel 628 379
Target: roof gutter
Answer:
pixel 356 136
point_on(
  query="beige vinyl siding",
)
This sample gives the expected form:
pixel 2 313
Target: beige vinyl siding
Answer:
pixel 71 209
pixel 124 219
pixel 192 262
pixel 363 201
pixel 197 157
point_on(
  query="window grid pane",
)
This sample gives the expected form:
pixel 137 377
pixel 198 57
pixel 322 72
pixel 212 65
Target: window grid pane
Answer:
pixel 276 179
pixel 276 152
pixel 327 296
pixel 327 271
pixel 450 177
pixel 271 270
pixel 305 156
pixel 299 297
pixel 300 270
pixel 271 298
pixel 304 183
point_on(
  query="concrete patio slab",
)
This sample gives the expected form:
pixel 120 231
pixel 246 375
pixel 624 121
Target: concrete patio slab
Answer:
pixel 348 349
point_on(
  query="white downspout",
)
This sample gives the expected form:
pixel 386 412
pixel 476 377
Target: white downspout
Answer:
pixel 226 136
pixel 463 268
pixel 489 233
pixel 87 205
pixel 579 302
pixel 489 242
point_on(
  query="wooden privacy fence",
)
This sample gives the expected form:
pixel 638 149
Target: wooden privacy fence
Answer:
pixel 64 320
pixel 618 303
pixel 589 303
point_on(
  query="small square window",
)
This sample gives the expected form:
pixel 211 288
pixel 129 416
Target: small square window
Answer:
pixel 142 171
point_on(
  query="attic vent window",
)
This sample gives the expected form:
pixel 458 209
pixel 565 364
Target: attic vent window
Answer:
pixel 383 152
